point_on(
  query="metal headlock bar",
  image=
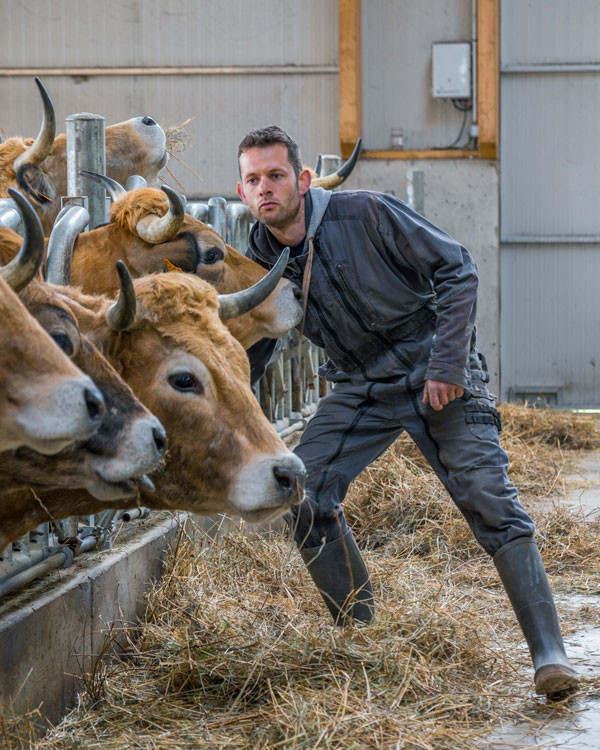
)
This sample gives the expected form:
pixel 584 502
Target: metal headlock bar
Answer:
pixel 288 394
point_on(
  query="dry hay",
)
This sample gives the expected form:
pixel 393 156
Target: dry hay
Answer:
pixel 237 651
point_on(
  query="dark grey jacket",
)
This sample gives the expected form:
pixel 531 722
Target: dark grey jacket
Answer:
pixel 390 293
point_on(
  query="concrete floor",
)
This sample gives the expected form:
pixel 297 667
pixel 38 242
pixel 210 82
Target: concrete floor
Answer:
pixel 576 726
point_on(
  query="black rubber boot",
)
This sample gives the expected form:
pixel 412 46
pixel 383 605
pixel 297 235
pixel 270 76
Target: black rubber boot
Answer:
pixel 522 572
pixel 340 574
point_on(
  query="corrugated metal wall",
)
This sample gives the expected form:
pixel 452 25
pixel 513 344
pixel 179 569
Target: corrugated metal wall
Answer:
pixel 550 188
pixel 397 39
pixel 148 33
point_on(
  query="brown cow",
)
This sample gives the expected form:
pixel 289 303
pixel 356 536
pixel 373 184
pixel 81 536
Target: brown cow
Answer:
pixel 39 166
pixel 182 362
pixel 146 228
pixel 129 441
pixel 46 402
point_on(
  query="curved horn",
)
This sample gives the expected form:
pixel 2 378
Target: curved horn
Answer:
pixel 238 303
pixel 40 148
pixel 333 180
pixel 319 165
pixel 163 228
pixel 121 315
pixel 24 266
pixel 113 188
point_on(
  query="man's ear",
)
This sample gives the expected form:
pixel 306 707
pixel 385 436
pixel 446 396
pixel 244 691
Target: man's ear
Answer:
pixel 240 192
pixel 304 179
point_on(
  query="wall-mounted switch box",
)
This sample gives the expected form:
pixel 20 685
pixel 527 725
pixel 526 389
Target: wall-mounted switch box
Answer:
pixel 451 68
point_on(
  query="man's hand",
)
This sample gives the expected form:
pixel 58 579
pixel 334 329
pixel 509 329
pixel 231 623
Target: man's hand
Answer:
pixel 438 394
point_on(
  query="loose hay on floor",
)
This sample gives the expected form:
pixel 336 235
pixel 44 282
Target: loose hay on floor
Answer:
pixel 237 650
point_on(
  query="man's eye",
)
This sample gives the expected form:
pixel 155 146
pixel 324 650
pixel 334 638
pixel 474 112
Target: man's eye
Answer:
pixel 185 382
pixel 64 342
pixel 251 180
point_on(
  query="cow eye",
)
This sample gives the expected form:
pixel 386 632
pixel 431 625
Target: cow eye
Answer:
pixel 64 342
pixel 213 255
pixel 185 382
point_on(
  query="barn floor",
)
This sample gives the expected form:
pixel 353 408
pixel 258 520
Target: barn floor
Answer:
pixel 236 651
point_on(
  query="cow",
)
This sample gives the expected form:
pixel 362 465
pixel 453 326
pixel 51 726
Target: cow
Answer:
pixel 39 166
pixel 46 402
pixel 165 336
pixel 149 226
pixel 128 442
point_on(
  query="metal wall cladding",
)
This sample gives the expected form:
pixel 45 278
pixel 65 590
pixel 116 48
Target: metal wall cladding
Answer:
pixel 176 32
pixel 549 135
pixel 223 109
pixel 549 31
pixel 550 185
pixel 397 81
pixel 550 312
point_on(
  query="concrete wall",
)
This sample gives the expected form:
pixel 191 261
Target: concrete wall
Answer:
pixel 461 197
pixel 52 634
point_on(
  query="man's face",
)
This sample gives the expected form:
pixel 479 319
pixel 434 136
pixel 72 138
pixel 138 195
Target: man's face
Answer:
pixel 269 186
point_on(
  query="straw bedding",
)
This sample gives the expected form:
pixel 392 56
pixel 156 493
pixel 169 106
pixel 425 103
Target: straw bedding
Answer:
pixel 237 650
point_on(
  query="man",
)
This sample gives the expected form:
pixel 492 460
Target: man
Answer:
pixel 392 300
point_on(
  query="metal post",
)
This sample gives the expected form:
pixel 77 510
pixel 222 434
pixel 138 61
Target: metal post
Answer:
pixel 86 150
pixel 415 190
pixel 216 215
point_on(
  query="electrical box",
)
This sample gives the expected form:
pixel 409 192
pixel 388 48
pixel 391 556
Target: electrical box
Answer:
pixel 451 68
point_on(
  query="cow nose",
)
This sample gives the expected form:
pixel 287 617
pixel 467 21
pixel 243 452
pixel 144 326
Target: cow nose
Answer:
pixel 297 293
pixel 148 121
pixel 94 403
pixel 160 440
pixel 290 480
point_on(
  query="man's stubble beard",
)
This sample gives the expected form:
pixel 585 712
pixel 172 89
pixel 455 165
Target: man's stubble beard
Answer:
pixel 285 220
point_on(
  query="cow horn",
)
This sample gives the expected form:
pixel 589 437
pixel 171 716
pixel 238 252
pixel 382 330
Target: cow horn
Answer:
pixel 113 188
pixel 40 148
pixel 121 315
pixel 333 180
pixel 238 303
pixel 319 165
pixel 161 229
pixel 24 266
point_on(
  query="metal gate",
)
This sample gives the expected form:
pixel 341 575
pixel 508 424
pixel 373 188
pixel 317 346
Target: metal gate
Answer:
pixel 549 195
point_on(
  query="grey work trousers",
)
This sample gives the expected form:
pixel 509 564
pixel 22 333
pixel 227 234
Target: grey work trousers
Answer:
pixel 356 422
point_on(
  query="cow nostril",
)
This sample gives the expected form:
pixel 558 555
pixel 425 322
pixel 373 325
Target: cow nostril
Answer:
pixel 290 480
pixel 94 403
pixel 160 440
pixel 148 121
pixel 298 293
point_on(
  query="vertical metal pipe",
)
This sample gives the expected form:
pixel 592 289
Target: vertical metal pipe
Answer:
pixel 415 190
pixel 86 150
pixel 217 215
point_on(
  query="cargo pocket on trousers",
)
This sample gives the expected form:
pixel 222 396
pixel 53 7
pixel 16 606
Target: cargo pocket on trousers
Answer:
pixel 482 418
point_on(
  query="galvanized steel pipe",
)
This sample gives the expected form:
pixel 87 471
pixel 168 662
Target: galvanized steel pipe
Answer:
pixel 86 150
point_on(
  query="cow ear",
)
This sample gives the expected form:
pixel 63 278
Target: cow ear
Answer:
pixel 32 180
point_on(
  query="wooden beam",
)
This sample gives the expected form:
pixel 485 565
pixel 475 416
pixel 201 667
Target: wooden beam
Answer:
pixel 350 74
pixel 488 77
pixel 422 154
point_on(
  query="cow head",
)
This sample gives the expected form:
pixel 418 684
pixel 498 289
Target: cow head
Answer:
pixel 128 441
pixel 39 166
pixel 147 227
pixel 166 338
pixel 46 403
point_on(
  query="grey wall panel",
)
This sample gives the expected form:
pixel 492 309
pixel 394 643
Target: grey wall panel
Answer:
pixel 547 31
pixel 550 308
pixel 223 109
pixel 397 39
pixel 549 151
pixel 40 33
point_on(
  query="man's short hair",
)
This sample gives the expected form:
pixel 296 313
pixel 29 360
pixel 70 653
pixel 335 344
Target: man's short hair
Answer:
pixel 270 136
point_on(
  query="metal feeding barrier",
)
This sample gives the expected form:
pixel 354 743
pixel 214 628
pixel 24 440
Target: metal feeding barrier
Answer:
pixel 288 392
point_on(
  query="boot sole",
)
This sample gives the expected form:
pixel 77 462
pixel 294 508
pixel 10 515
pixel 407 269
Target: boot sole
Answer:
pixel 554 680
